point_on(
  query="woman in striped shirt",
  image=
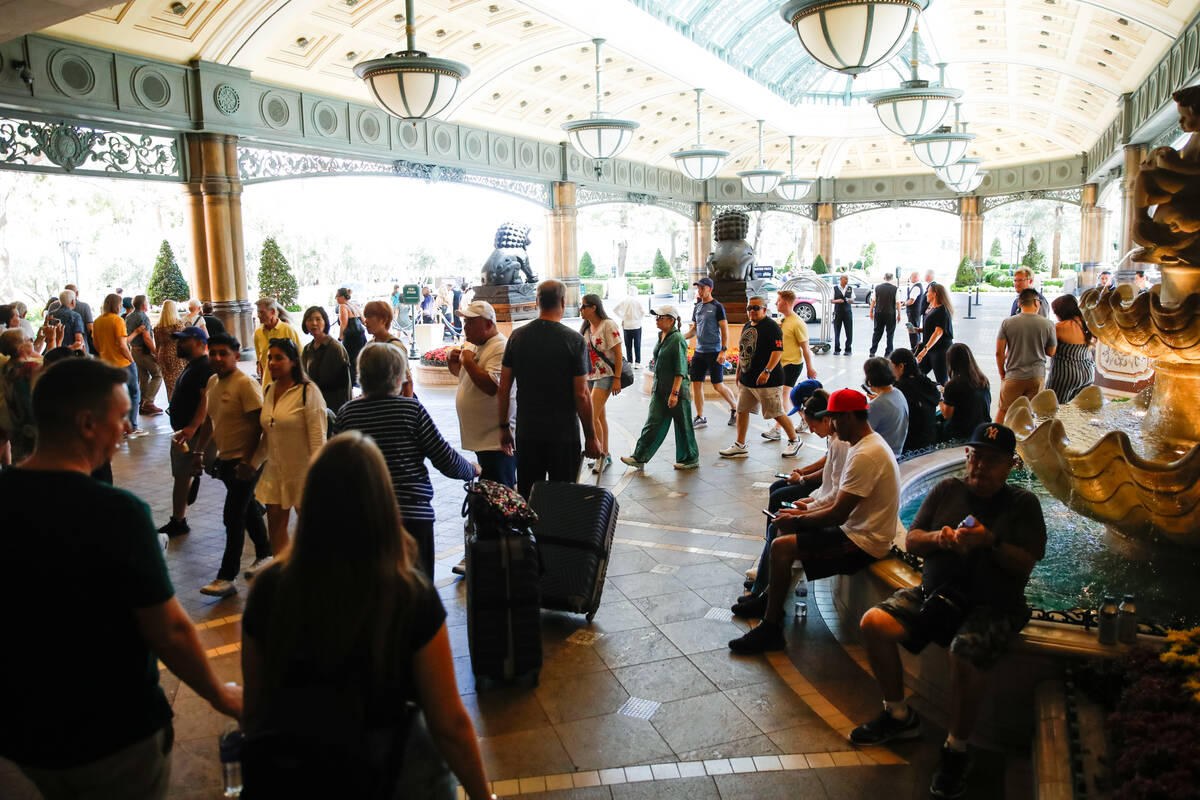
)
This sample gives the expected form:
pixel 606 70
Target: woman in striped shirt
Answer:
pixel 405 433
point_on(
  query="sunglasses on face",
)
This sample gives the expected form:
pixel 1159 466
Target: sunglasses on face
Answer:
pixel 756 308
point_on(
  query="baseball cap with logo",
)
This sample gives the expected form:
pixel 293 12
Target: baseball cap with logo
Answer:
pixel 844 400
pixel 666 310
pixel 706 281
pixel 994 436
pixel 478 308
pixel 800 394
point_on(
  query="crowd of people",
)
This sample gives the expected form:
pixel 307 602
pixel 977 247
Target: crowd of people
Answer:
pixel 293 436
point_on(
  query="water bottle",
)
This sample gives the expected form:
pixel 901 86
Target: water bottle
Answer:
pixel 968 521
pixel 231 760
pixel 1127 621
pixel 1108 620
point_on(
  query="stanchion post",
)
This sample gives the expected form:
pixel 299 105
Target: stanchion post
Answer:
pixel 969 315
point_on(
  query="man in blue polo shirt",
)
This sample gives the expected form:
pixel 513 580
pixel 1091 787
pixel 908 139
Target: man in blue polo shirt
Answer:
pixel 711 333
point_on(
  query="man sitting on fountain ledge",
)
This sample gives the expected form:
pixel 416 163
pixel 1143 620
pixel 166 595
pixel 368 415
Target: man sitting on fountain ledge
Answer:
pixel 980 538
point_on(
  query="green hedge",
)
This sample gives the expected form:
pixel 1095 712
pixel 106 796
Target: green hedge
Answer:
pixel 593 287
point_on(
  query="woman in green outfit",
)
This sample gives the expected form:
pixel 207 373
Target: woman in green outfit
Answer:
pixel 669 400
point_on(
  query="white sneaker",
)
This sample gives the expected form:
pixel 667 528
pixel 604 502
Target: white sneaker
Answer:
pixel 219 588
pixel 136 433
pixel 735 450
pixel 257 566
pixel 163 539
pixel 791 449
pixel 771 434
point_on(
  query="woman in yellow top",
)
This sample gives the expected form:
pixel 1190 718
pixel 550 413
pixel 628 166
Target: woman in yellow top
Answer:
pixel 273 326
pixel 112 343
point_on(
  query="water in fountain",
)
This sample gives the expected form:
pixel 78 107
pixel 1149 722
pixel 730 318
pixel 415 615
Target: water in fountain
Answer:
pixel 1084 428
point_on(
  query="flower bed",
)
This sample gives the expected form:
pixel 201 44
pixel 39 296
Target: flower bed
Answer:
pixel 438 357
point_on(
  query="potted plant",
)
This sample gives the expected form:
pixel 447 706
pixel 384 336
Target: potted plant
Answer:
pixel 434 368
pixel 663 280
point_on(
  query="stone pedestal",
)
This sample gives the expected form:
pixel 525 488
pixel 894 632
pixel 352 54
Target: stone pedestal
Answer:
pixel 732 295
pixel 513 303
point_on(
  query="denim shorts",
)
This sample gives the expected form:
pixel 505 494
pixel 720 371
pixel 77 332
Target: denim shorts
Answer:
pixel 601 383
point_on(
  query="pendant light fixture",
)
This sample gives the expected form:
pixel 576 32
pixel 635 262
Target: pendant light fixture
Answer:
pixel 599 137
pixel 761 180
pixel 916 107
pixel 699 163
pixel 852 36
pixel 409 84
pixel 960 172
pixel 793 188
pixel 944 146
pixel 970 185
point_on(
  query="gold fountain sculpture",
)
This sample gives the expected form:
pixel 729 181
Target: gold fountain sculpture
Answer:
pixel 1153 494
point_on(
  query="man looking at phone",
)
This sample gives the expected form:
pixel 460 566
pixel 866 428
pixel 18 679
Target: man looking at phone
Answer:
pixel 980 538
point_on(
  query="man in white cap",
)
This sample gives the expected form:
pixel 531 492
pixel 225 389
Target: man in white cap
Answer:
pixel 478 365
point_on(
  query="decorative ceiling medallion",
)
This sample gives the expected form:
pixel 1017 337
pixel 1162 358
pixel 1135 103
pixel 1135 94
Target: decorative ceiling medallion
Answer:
pixel 226 99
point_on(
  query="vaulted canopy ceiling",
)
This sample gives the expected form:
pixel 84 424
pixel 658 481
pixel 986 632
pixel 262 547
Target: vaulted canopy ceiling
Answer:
pixel 1040 77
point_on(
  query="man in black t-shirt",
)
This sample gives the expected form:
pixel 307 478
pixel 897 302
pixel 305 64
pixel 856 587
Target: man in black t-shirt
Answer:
pixel 84 714
pixel 980 538
pixel 187 412
pixel 885 312
pixel 549 363
pixel 760 379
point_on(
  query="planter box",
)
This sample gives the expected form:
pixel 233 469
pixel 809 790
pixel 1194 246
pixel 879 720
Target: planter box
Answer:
pixel 663 285
pixel 433 376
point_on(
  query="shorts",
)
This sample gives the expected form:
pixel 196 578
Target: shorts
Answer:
pixel 827 551
pixel 706 364
pixel 601 383
pixel 984 636
pixel 768 398
pixel 182 460
pixel 791 374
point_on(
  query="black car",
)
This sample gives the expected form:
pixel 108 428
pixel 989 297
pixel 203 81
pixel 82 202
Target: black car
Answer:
pixel 862 289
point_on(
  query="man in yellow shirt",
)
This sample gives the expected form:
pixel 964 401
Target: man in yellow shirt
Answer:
pixel 272 327
pixel 112 343
pixel 795 349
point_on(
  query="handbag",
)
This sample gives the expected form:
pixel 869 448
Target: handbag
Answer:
pixel 494 508
pixel 626 367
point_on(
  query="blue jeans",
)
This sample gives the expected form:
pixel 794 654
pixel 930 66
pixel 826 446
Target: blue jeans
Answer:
pixel 135 394
pixel 781 492
pixel 498 466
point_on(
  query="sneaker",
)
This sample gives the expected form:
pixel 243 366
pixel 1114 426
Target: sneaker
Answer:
pixel 732 417
pixel 837 352
pixel 791 449
pixel 162 540
pixel 175 527
pixel 759 639
pixel 193 490
pixel 699 421
pixel 735 450
pixel 950 779
pixel 771 434
pixel 751 606
pixel 601 465
pixel 847 351
pixel 136 433
pixel 257 566
pixel 219 588
pixel 633 462
pixel 687 464
pixel 460 568
pixel 150 410
pixel 885 728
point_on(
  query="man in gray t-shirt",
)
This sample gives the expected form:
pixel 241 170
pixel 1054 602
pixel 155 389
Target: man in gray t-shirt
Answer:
pixel 1024 343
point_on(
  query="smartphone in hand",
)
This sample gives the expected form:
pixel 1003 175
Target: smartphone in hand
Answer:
pixel 769 515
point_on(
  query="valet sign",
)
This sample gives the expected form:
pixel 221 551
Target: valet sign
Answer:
pixel 412 294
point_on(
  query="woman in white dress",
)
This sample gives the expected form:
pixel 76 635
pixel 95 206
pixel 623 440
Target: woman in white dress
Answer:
pixel 294 424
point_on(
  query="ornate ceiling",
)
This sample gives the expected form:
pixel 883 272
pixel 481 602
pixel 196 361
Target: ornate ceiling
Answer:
pixel 1041 77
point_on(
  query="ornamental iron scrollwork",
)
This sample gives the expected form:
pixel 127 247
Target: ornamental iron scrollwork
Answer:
pixel 53 146
pixel 807 210
pixel 585 196
pixel 536 191
pixel 846 209
pixel 948 205
pixel 256 165
pixel 1072 195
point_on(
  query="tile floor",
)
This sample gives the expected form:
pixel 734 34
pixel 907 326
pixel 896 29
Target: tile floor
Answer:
pixel 646 701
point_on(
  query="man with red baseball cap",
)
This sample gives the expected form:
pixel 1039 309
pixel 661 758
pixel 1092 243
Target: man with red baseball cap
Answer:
pixel 840 538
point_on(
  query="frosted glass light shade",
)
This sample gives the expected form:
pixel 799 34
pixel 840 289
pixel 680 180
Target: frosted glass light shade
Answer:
pixel 913 109
pixel 793 188
pixel 699 163
pixel 960 172
pixel 410 84
pixel 941 148
pixel 760 181
pixel 970 185
pixel 852 36
pixel 600 138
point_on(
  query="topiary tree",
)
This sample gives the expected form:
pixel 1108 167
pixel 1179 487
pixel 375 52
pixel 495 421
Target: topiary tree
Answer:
pixel 587 268
pixel 788 265
pixel 868 257
pixel 819 265
pixel 1034 258
pixel 966 273
pixel 166 281
pixel 661 268
pixel 996 251
pixel 275 277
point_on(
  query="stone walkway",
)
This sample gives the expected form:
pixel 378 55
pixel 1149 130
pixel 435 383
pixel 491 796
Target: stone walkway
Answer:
pixel 646 701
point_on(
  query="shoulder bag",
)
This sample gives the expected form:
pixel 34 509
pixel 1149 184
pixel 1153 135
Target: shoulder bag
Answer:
pixel 626 367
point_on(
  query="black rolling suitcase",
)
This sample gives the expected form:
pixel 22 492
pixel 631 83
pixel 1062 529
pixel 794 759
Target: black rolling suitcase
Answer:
pixel 574 533
pixel 503 610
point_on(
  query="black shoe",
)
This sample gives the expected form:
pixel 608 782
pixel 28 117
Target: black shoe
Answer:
pixel 460 568
pixel 765 637
pixel 752 606
pixel 747 584
pixel 837 352
pixel 193 490
pixel 950 779
pixel 847 351
pixel 175 527
pixel 885 728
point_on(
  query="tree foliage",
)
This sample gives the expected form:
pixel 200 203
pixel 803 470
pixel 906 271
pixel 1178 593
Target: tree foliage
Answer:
pixel 1034 258
pixel 789 265
pixel 868 254
pixel 819 265
pixel 587 268
pixel 966 275
pixel 275 277
pixel 996 251
pixel 661 268
pixel 166 281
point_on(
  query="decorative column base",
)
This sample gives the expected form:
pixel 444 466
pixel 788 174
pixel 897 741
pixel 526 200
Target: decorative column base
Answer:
pixel 732 295
pixel 238 318
pixel 513 303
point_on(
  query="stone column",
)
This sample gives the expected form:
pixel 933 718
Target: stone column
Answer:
pixel 971 236
pixel 562 258
pixel 701 243
pixel 1091 236
pixel 214 210
pixel 1134 153
pixel 824 232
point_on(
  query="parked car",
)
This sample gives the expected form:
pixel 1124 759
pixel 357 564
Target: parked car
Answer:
pixel 807 305
pixel 861 288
